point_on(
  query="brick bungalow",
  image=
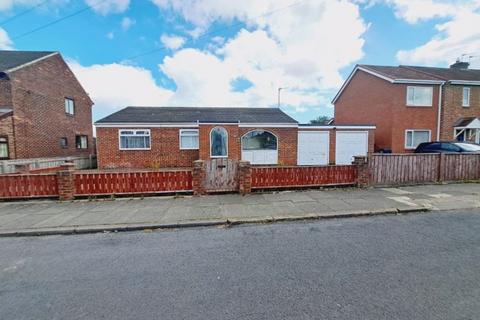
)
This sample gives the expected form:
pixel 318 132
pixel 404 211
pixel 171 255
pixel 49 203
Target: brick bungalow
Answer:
pixel 410 105
pixel 44 111
pixel 163 137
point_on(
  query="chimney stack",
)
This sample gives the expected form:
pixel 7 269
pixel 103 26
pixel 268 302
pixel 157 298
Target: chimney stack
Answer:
pixel 460 65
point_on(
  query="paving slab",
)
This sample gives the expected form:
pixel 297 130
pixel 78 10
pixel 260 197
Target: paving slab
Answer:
pixel 188 210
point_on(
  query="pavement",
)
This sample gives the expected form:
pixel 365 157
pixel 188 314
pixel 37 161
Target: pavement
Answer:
pixel 417 266
pixel 83 216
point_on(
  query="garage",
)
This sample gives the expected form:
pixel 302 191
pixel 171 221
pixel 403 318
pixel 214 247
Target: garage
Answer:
pixel 350 144
pixel 313 148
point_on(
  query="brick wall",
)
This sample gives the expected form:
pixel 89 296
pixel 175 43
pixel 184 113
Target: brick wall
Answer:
pixel 164 153
pixel 165 147
pixel 453 110
pixel 38 96
pixel 5 92
pixel 371 100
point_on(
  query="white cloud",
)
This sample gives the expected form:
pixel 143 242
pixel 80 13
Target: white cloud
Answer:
pixel 127 23
pixel 111 35
pixel 5 42
pixel 301 46
pixel 114 86
pixel 172 42
pixel 108 6
pixel 455 37
pixel 9 4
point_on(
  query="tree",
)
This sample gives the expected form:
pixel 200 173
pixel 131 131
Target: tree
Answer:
pixel 321 120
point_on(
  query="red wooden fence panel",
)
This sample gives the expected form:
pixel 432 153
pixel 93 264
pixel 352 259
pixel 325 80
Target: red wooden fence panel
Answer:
pixel 284 177
pixel 461 167
pixel 139 182
pixel 28 186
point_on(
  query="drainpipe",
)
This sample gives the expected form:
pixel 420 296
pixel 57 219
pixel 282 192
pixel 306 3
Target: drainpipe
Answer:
pixel 439 118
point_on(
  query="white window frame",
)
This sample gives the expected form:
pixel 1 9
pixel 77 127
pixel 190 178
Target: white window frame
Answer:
pixel 184 132
pixel 413 104
pixel 134 130
pixel 466 89
pixel 210 146
pixel 413 132
pixel 70 106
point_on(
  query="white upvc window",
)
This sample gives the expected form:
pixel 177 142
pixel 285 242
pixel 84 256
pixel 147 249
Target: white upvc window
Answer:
pixel 466 97
pixel 69 106
pixel 130 139
pixel 414 137
pixel 188 139
pixel 419 96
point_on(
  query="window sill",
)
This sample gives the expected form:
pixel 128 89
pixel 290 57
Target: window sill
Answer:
pixel 419 106
pixel 189 148
pixel 136 149
pixel 218 157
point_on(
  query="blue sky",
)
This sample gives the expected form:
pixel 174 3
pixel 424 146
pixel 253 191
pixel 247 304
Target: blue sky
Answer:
pixel 224 53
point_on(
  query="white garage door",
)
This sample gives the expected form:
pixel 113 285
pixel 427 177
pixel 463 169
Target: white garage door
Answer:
pixel 313 148
pixel 349 144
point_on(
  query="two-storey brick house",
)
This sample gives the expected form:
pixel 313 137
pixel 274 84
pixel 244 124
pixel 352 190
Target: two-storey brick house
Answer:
pixel 44 110
pixel 410 104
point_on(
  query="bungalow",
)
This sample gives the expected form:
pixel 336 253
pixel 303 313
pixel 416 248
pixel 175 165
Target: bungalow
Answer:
pixel 164 137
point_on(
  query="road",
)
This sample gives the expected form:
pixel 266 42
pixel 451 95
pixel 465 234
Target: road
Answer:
pixel 419 266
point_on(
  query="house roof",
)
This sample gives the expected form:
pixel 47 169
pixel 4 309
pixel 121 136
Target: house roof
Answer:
pixel 425 73
pixel 14 59
pixel 415 74
pixel 198 114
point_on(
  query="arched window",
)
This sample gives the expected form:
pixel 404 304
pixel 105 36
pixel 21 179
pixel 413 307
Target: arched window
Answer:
pixel 259 140
pixel 218 142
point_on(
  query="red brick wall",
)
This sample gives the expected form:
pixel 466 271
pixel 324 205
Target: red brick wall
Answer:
pixel 371 100
pixel 165 147
pixel 38 94
pixel 164 153
pixel 5 93
pixel 453 110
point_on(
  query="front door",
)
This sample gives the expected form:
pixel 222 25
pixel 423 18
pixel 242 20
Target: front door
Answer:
pixel 221 175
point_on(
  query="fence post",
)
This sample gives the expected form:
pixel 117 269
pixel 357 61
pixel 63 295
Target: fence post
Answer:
pixel 441 167
pixel 244 177
pixel 198 178
pixel 66 181
pixel 363 171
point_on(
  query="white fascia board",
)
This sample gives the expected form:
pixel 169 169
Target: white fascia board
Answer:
pixel 146 125
pixel 415 81
pixel 351 76
pixel 31 62
pixel 337 127
pixel 465 82
pixel 268 125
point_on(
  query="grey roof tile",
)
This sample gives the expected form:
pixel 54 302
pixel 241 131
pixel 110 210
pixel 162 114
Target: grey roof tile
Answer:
pixel 12 59
pixel 201 114
pixel 425 73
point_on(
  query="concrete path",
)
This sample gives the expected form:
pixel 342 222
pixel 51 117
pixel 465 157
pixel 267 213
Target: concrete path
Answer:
pixel 53 217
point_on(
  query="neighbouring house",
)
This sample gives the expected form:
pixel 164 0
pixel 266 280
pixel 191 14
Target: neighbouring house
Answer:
pixel 163 137
pixel 44 110
pixel 409 105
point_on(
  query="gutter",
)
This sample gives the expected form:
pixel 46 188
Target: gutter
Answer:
pixel 439 117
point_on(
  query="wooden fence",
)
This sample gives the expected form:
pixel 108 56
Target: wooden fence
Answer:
pixel 140 182
pixel 28 186
pixel 299 176
pixel 398 169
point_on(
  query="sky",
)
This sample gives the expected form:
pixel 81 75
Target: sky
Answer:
pixel 237 53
